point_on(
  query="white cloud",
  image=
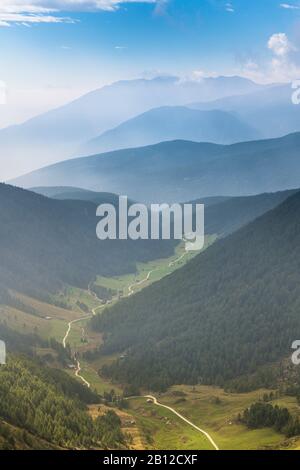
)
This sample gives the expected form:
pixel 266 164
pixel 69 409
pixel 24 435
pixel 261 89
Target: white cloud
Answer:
pixel 289 6
pixel 48 11
pixel 282 65
pixel 229 7
pixel 280 44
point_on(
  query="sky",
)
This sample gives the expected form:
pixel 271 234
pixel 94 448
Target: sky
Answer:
pixel 52 51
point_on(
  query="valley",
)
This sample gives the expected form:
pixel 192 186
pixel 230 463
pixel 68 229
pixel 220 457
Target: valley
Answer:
pixel 154 427
pixel 70 325
pixel 79 335
pixel 64 327
pixel 213 409
pixel 149 229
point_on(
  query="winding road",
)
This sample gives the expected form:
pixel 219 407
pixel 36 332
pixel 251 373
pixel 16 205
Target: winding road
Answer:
pixel 95 309
pixel 86 317
pixel 177 259
pixel 135 284
pixel 157 403
pixel 148 397
pixel 78 367
pixel 130 288
pixel 70 326
pixel 77 374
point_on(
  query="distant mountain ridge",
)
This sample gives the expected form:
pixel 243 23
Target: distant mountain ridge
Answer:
pixel 57 134
pixel 173 123
pixel 77 194
pixel 223 215
pixel 181 170
pixel 270 110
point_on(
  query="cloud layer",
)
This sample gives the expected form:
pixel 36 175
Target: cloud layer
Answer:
pixel 49 11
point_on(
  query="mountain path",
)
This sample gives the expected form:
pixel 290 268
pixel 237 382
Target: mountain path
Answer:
pixel 157 403
pixel 77 374
pixel 95 309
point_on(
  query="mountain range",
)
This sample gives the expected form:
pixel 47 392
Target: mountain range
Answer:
pixel 270 111
pixel 58 134
pixel 181 170
pixel 261 114
pixel 171 123
pixel 223 215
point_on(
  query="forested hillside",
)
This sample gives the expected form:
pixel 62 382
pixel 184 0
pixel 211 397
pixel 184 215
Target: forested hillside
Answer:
pixel 53 407
pixel 228 311
pixel 77 194
pixel 227 216
pixel 45 243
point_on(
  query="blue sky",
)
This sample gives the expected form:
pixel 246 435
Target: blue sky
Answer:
pixel 54 50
